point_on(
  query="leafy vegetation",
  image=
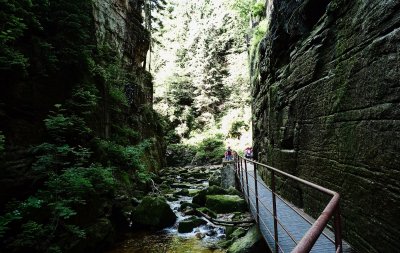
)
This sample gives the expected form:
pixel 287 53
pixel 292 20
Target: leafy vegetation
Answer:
pixel 201 73
pixel 28 37
pixel 13 25
pixel 70 181
pixel 237 128
pixel 209 151
pixel 180 154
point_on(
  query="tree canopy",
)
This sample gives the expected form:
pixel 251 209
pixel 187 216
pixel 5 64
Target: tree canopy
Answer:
pixel 202 58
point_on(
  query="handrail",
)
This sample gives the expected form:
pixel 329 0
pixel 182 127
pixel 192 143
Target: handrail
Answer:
pixel 332 209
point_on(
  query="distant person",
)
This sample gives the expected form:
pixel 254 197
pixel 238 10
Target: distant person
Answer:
pixel 248 153
pixel 229 154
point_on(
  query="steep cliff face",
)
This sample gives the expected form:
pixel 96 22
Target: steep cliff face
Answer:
pixel 326 108
pixel 119 23
pixel 77 119
pixel 109 34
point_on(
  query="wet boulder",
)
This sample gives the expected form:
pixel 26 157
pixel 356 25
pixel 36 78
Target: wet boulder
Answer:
pixel 232 234
pixel 237 233
pixel 187 226
pixel 185 204
pixel 170 197
pixel 215 178
pixel 232 191
pixel 207 211
pixel 251 242
pixel 182 192
pixel 213 190
pixel 154 212
pixel 225 203
pixel 200 197
pixel 193 192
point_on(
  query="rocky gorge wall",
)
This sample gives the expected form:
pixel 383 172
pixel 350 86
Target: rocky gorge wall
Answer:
pixel 326 101
pixel 119 25
pixel 26 100
pixel 87 59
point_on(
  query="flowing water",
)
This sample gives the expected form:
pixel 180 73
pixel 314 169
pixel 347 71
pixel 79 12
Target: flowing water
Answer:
pixel 203 239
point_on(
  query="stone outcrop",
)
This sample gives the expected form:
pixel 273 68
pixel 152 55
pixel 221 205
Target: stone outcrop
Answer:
pixel 252 241
pixel 154 212
pixel 225 203
pixel 228 175
pixel 187 225
pixel 326 108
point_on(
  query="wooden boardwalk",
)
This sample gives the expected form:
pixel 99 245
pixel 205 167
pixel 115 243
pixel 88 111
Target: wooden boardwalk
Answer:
pixel 290 220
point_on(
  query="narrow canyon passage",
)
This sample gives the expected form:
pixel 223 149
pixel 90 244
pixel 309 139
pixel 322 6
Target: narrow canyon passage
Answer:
pixel 111 110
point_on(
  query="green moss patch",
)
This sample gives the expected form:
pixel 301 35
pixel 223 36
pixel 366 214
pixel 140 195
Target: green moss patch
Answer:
pixel 225 203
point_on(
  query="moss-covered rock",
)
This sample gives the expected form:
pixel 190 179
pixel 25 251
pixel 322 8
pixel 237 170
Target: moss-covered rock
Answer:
pixel 251 242
pixel 182 192
pixel 154 212
pixel 207 211
pixel 232 234
pixel 186 226
pixel 215 178
pixel 225 203
pixel 193 192
pixel 184 205
pixel 171 197
pixel 214 190
pixel 233 191
pixel 237 233
pixel 229 230
pixel 200 197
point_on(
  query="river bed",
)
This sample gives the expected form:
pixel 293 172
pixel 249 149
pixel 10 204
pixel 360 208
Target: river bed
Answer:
pixel 161 242
pixel 203 239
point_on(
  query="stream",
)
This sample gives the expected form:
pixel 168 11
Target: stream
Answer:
pixel 203 239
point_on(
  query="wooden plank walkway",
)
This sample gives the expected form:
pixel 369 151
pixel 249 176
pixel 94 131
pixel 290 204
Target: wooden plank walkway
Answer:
pixel 292 221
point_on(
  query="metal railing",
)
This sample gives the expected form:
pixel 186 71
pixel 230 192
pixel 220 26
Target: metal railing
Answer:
pixel 306 243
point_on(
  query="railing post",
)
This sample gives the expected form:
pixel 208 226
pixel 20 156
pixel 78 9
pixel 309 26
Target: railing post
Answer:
pixel 241 172
pixel 238 167
pixel 236 159
pixel 256 191
pixel 338 230
pixel 276 239
pixel 247 181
